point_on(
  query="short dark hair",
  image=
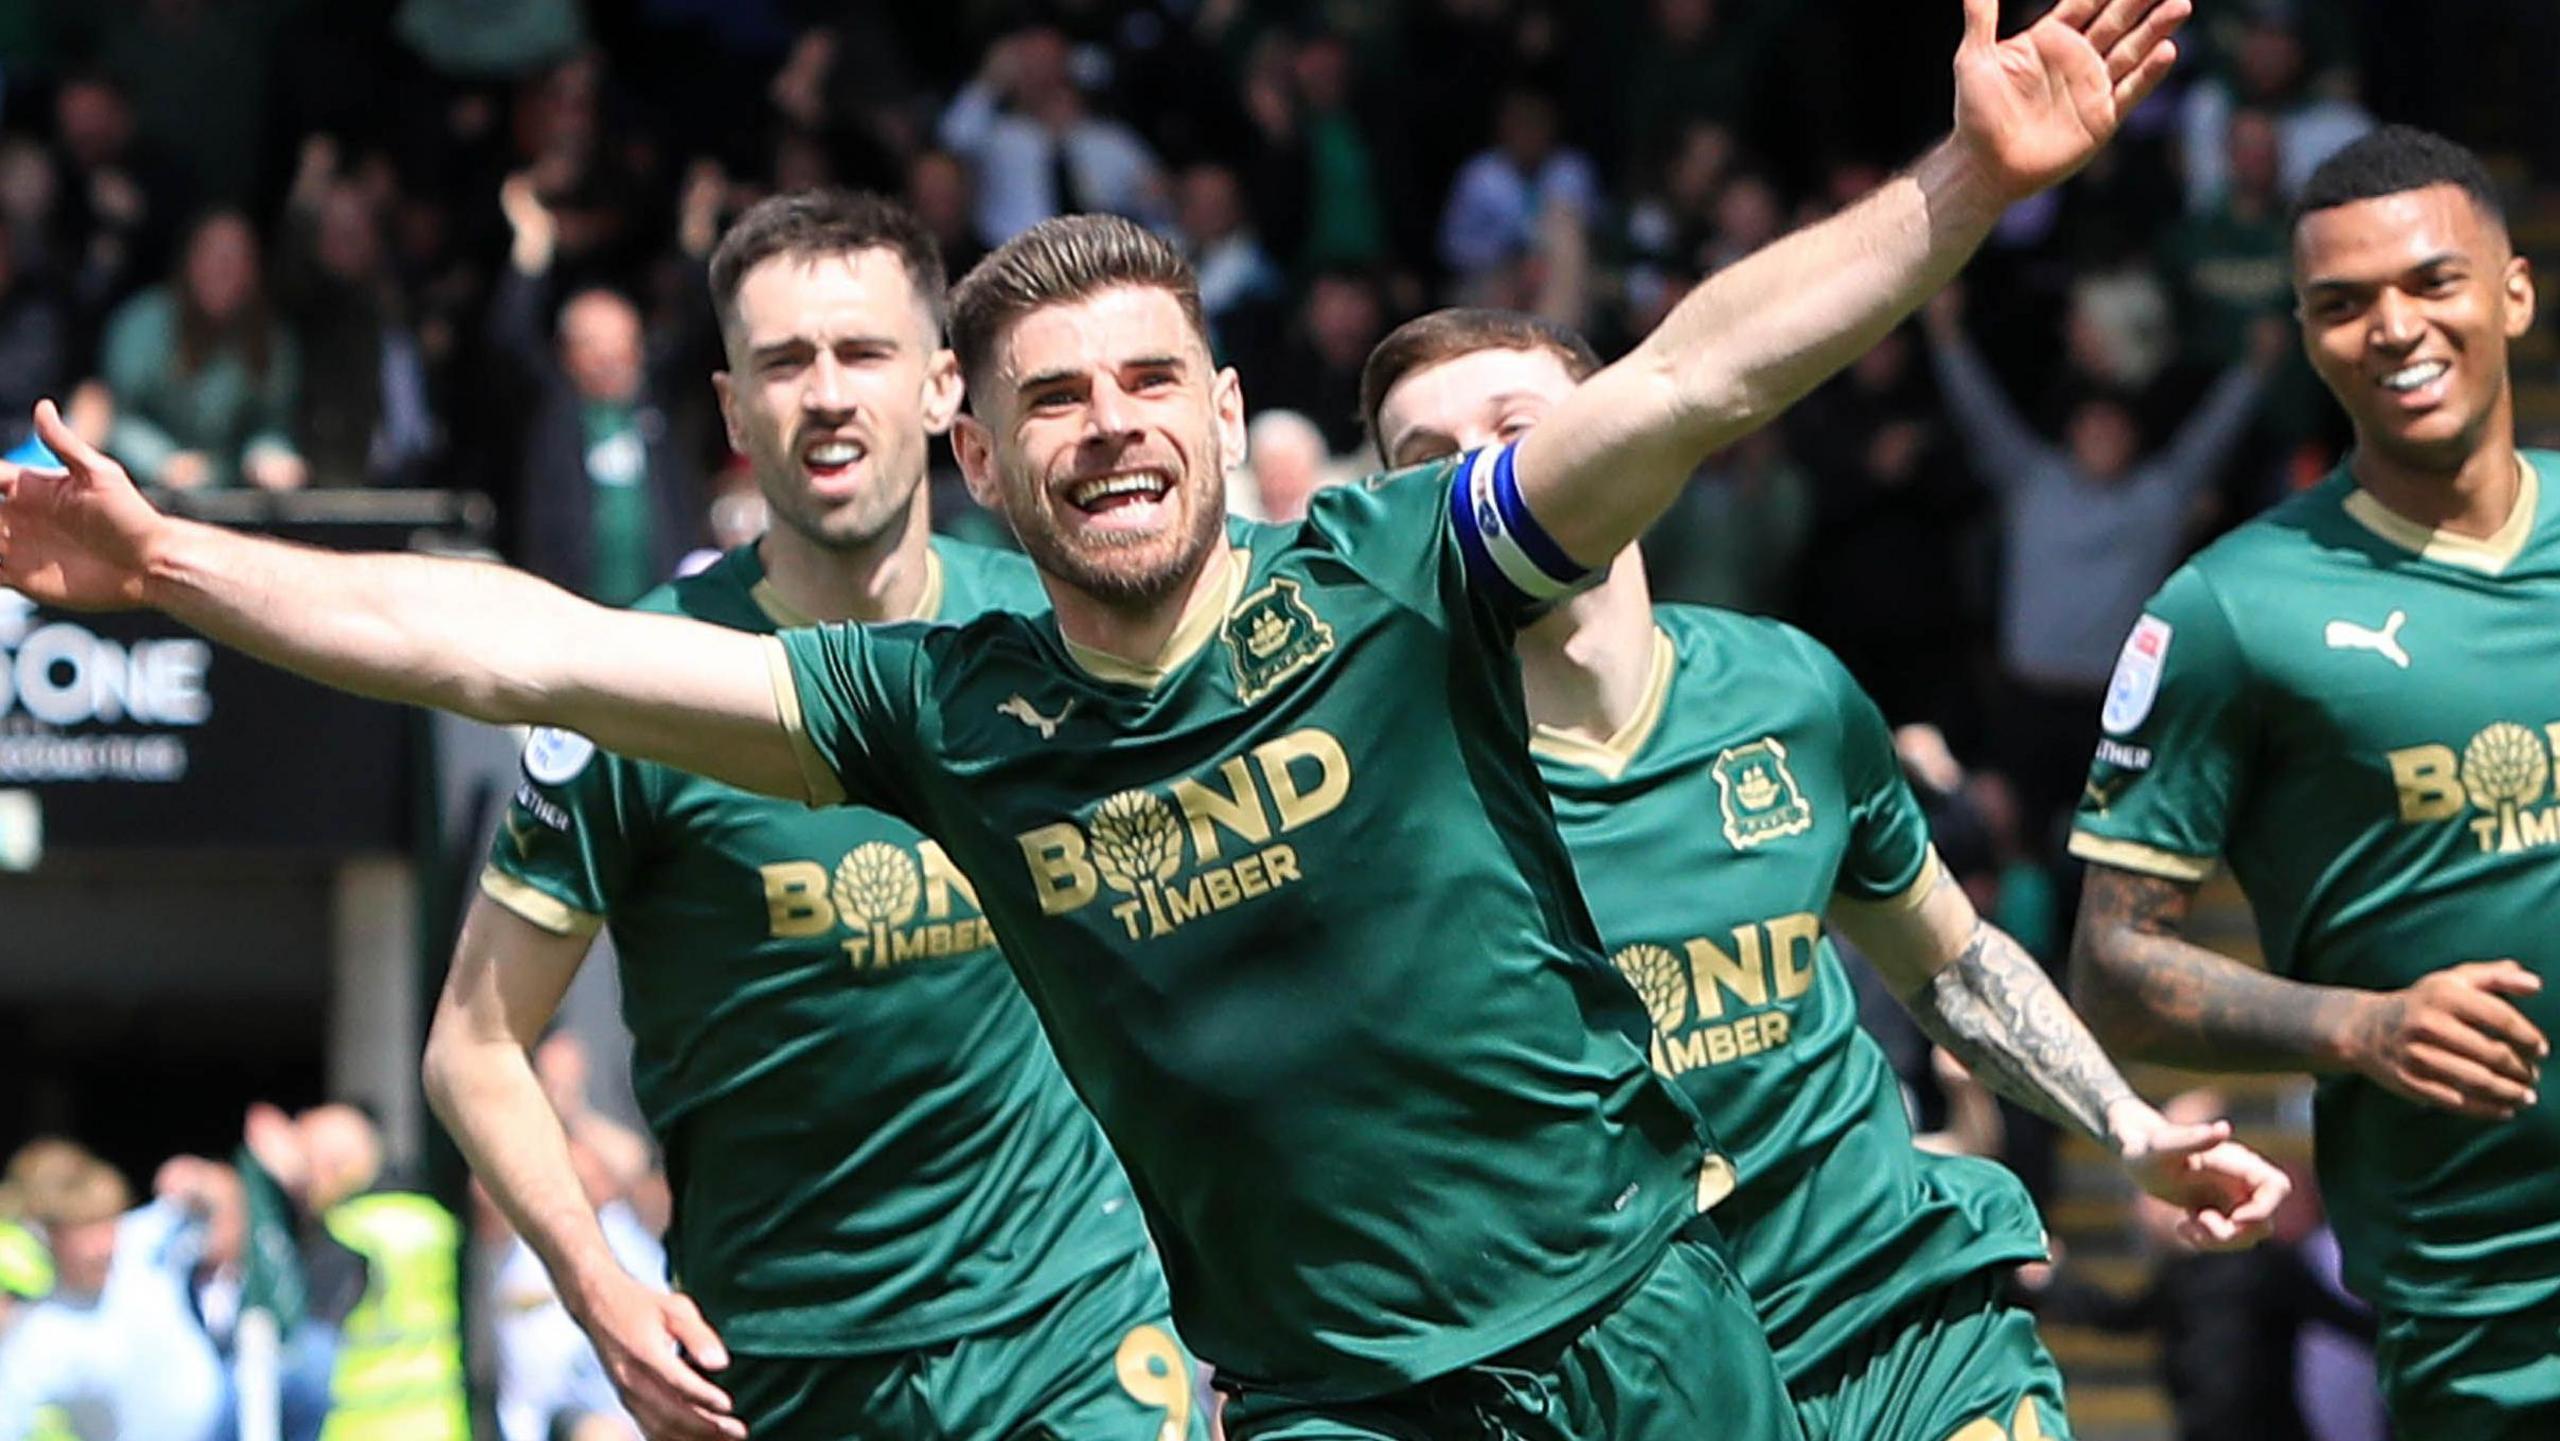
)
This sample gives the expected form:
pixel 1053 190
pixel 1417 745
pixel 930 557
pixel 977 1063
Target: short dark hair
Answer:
pixel 1063 258
pixel 2394 159
pixel 1427 340
pixel 810 224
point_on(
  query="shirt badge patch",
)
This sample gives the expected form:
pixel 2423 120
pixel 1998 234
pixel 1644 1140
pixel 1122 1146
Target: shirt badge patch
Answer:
pixel 1759 794
pixel 1272 635
pixel 2136 683
pixel 554 756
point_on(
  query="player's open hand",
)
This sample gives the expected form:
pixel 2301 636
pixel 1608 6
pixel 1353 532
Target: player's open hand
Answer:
pixel 2033 108
pixel 80 537
pixel 2229 1193
pixel 2455 1041
pixel 655 1345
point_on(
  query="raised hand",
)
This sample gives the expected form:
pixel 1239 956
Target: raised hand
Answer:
pixel 2033 108
pixel 81 537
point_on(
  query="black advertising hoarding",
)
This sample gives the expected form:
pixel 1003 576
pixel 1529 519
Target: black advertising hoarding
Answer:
pixel 133 732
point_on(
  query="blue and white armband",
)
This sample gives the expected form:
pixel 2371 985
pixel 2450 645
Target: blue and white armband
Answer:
pixel 1510 557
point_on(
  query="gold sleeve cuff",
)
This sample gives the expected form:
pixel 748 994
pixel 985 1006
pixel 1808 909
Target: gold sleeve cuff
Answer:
pixel 2141 859
pixel 815 775
pixel 539 907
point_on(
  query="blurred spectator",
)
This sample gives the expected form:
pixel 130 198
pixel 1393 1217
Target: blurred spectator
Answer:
pixel 2089 529
pixel 1669 223
pixel 1318 374
pixel 2230 1323
pixel 2268 71
pixel 607 499
pixel 363 417
pixel 1697 60
pixel 1494 204
pixel 117 204
pixel 2231 261
pixel 116 1345
pixel 198 76
pixel 1735 534
pixel 1286 456
pixel 1241 291
pixel 479 39
pixel 1887 583
pixel 939 190
pixel 204 378
pixel 1316 181
pixel 31 342
pixel 1040 150
pixel 399 1364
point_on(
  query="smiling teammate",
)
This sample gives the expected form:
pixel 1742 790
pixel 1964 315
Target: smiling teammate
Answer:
pixel 2352 700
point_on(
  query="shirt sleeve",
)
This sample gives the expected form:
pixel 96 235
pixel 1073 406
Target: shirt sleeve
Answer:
pixel 850 696
pixel 1453 533
pixel 562 857
pixel 2174 741
pixel 1888 855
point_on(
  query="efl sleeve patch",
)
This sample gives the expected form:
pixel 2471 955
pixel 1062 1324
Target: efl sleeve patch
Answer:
pixel 2136 683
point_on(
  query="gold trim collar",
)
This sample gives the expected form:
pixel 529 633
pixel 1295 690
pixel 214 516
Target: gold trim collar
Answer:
pixel 1612 756
pixel 1198 624
pixel 790 617
pixel 2490 556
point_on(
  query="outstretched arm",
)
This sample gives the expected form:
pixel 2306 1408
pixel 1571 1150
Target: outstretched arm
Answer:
pixel 1743 346
pixel 2453 1040
pixel 478 639
pixel 1975 991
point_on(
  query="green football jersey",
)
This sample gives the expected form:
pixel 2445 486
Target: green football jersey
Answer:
pixel 2360 716
pixel 1293 908
pixel 869 1143
pixel 1756 783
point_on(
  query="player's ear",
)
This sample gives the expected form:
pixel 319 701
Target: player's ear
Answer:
pixel 2518 283
pixel 944 389
pixel 727 390
pixel 974 446
pixel 1226 398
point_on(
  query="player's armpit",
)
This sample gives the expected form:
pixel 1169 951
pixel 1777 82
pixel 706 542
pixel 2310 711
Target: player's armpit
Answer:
pixel 2155 995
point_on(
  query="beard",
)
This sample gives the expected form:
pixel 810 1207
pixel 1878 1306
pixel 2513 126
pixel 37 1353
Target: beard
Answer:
pixel 1125 571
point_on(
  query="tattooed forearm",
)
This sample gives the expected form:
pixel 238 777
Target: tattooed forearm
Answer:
pixel 1998 1012
pixel 2156 995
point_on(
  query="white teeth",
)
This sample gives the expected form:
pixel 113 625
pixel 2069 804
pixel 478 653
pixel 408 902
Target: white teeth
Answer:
pixel 1094 492
pixel 2410 377
pixel 834 453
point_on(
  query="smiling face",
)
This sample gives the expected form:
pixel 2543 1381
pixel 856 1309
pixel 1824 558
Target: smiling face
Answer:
pixel 836 380
pixel 2408 302
pixel 1101 428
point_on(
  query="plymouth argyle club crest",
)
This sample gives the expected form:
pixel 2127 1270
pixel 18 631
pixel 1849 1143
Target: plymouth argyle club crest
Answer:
pixel 1759 794
pixel 1271 636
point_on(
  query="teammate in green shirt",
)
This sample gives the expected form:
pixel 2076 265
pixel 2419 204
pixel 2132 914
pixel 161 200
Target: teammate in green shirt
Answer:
pixel 1256 817
pixel 1726 788
pixel 2352 701
pixel 893 1215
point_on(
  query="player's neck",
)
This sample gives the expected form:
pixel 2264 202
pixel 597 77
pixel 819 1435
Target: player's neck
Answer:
pixel 2472 499
pixel 1585 668
pixel 1137 634
pixel 882 581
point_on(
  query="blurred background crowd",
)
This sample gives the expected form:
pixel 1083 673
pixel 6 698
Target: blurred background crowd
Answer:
pixel 268 247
